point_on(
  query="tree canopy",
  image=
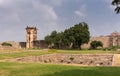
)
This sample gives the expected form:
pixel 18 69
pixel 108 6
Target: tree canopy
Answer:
pixel 71 38
pixel 95 44
pixel 117 4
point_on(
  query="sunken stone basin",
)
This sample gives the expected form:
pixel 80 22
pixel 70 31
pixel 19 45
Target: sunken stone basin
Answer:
pixel 82 59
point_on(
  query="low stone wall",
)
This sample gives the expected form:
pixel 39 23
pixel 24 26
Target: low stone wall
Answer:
pixel 83 59
pixel 6 48
pixel 15 45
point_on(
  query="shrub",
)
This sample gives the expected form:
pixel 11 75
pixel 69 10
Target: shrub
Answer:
pixel 113 48
pixel 6 44
pixel 96 44
pixel 71 58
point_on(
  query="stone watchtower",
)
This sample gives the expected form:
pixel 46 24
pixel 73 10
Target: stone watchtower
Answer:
pixel 31 36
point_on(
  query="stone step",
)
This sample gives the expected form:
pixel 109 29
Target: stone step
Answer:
pixel 116 60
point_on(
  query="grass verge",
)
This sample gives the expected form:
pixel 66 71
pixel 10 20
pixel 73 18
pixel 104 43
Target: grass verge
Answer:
pixel 22 54
pixel 32 69
pixel 87 52
pixel 25 53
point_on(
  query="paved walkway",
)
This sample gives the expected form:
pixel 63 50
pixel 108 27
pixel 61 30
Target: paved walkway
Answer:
pixel 116 60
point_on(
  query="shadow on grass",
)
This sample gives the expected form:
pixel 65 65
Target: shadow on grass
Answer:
pixel 80 72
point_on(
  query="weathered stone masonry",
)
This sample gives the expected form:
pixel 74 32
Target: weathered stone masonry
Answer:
pixel 31 40
pixel 82 59
pixel 108 41
pixel 31 36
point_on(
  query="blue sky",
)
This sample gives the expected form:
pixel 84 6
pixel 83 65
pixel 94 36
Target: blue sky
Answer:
pixel 49 15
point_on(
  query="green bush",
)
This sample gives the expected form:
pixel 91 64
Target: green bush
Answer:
pixel 95 44
pixel 71 58
pixel 6 44
pixel 113 48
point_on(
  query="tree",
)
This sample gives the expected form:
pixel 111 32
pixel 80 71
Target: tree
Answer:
pixel 117 4
pixel 95 44
pixel 50 39
pixel 58 40
pixel 68 38
pixel 73 37
pixel 81 34
pixel 54 40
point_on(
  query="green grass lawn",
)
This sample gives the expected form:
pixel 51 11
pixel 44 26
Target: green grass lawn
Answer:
pixel 35 69
pixel 87 52
pixel 24 53
pixel 32 69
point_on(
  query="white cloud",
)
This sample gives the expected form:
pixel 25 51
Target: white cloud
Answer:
pixel 17 14
pixel 24 10
pixel 82 11
pixel 49 15
pixel 46 12
pixel 79 0
pixel 6 2
pixel 57 2
pixel 47 18
pixel 1 1
pixel 79 13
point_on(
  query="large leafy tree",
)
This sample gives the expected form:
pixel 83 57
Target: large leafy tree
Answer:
pixel 58 40
pixel 68 38
pixel 50 39
pixel 117 4
pixel 81 34
pixel 73 37
pixel 54 39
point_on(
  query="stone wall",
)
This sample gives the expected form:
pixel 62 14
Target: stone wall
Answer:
pixel 82 59
pixel 104 39
pixel 15 45
pixel 20 45
pixel 111 40
pixel 7 48
pixel 40 44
